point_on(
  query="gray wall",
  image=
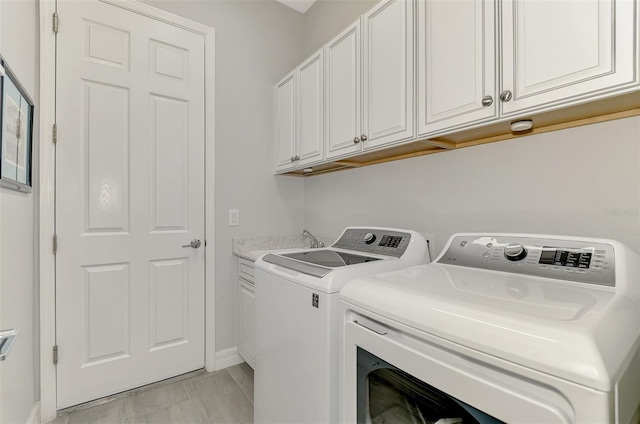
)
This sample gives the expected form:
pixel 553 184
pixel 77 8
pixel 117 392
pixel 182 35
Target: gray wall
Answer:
pixel 326 18
pixel 257 42
pixel 18 291
pixel 563 182
pixel 566 182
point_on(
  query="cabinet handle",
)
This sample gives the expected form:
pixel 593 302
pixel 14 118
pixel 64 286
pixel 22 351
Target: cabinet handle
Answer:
pixel 506 96
pixel 487 101
pixel 363 137
pixel 293 158
pixel 356 140
pixel 297 157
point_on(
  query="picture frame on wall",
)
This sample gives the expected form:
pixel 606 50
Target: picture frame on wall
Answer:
pixel 16 131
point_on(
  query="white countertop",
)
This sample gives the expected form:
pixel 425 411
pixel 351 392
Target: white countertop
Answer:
pixel 251 248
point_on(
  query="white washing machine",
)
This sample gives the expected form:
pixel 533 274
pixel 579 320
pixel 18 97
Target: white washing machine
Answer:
pixel 498 329
pixel 298 322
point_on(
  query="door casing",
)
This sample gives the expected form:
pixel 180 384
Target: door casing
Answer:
pixel 46 195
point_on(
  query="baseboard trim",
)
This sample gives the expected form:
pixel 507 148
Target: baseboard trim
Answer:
pixel 227 358
pixel 34 416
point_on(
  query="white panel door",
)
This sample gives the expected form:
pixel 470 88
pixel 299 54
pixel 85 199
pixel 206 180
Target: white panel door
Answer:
pixel 284 126
pixel 387 70
pixel 310 109
pixel 342 93
pixel 456 64
pixel 130 194
pixel 561 51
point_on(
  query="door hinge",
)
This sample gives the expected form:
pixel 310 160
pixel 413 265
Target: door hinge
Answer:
pixel 55 133
pixel 56 22
pixel 55 355
pixel 55 244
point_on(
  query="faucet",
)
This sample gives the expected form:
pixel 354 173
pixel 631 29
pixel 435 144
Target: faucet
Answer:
pixel 314 241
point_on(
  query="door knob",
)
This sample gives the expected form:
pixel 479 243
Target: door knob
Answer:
pixel 195 243
pixel 363 137
pixel 506 96
pixel 356 140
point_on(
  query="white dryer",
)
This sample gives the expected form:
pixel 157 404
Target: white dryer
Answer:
pixel 298 322
pixel 498 329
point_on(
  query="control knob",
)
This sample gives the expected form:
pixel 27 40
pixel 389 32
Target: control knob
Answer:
pixel 369 238
pixel 515 251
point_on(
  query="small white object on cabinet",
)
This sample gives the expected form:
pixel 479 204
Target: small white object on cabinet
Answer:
pixel 246 315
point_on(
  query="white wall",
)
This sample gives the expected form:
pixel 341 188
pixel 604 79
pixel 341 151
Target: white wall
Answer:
pixel 18 293
pixel 563 182
pixel 257 42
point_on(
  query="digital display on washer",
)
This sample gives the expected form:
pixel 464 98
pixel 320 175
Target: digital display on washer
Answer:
pixel 568 258
pixel 390 241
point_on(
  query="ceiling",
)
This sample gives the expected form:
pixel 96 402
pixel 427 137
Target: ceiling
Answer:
pixel 300 5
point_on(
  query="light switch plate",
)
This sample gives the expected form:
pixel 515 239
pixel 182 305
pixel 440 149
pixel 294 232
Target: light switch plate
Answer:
pixel 234 217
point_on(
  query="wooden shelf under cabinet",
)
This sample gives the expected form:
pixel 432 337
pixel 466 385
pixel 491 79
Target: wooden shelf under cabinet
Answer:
pixel 609 109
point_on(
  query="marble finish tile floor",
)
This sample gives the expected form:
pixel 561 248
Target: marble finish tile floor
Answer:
pixel 221 397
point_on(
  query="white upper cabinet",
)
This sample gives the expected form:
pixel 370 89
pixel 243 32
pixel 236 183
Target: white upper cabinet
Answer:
pixel 557 52
pixel 456 64
pixel 370 81
pixel 388 73
pixel 342 88
pixel 410 70
pixel 310 110
pixel 299 115
pixel 285 123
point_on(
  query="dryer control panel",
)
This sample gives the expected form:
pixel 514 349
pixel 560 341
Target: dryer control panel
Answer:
pixel 573 260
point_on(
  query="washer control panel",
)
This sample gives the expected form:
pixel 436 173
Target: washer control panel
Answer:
pixel 571 260
pixel 372 240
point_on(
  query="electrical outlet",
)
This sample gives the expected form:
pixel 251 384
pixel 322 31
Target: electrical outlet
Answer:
pixel 234 217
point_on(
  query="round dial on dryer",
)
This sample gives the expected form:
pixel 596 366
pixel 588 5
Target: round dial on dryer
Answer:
pixel 515 251
pixel 369 238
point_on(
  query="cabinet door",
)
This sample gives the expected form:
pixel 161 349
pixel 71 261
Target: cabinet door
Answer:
pixel 456 64
pixel 342 93
pixel 285 122
pixel 310 109
pixel 246 322
pixel 387 72
pixel 564 51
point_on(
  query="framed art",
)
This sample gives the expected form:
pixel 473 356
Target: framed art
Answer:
pixel 16 131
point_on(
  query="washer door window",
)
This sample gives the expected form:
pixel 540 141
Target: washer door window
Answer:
pixel 386 394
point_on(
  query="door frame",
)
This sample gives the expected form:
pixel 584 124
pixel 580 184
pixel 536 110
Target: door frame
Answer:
pixel 46 198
